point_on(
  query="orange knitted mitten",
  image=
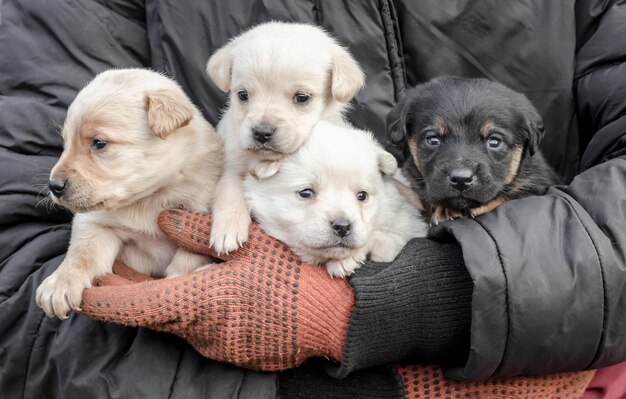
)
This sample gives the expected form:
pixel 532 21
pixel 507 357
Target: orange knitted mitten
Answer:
pixel 262 308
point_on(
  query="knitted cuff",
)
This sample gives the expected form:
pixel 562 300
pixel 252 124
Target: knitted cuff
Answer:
pixel 416 308
pixel 322 312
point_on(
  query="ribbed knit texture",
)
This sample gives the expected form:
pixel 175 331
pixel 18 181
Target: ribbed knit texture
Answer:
pixel 416 308
pixel 262 309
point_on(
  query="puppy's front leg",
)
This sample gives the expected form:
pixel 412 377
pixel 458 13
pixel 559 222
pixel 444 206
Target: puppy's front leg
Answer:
pixel 185 262
pixel 442 214
pixel 385 246
pixel 346 266
pixel 231 217
pixel 92 251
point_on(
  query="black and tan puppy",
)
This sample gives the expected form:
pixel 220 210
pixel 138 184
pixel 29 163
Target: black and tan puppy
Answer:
pixel 472 145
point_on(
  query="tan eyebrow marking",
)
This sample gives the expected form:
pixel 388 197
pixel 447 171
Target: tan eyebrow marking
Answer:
pixel 486 127
pixel 440 123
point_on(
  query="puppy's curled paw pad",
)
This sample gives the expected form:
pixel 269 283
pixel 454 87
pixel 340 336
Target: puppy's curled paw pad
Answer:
pixel 60 293
pixel 229 231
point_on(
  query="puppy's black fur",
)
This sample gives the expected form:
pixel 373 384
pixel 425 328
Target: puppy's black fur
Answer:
pixel 472 144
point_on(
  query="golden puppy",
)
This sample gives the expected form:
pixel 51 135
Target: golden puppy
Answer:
pixel 134 144
pixel 335 201
pixel 282 78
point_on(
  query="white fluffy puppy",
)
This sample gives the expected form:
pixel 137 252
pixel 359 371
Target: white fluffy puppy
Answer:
pixel 335 200
pixel 134 144
pixel 282 78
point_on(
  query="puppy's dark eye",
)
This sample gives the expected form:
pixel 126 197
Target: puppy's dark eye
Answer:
pixel 301 98
pixel 361 196
pixel 99 144
pixel 433 141
pixel 243 95
pixel 494 142
pixel 307 193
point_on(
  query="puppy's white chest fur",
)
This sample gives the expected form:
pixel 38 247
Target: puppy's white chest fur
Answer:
pixel 144 246
pixel 148 254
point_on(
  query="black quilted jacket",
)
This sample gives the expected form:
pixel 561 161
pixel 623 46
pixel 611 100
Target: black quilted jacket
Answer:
pixel 549 272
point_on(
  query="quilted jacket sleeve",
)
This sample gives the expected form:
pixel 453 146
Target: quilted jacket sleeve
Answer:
pixel 550 272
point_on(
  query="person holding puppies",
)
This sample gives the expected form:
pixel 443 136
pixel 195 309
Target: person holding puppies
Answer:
pixel 532 287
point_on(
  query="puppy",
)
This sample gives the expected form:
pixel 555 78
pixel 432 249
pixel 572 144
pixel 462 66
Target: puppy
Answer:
pixel 473 144
pixel 134 144
pixel 335 201
pixel 282 78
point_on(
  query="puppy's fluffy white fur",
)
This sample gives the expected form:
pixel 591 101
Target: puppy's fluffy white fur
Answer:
pixel 339 174
pixel 284 77
pixel 158 152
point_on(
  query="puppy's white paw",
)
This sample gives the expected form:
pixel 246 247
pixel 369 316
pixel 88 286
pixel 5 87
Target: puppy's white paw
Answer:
pixel 342 267
pixel 61 292
pixel 229 231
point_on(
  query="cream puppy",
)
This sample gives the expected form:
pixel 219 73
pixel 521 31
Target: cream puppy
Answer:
pixel 134 144
pixel 282 78
pixel 335 201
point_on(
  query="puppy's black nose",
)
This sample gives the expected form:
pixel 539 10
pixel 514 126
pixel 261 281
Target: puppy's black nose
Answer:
pixel 263 133
pixel 57 186
pixel 341 226
pixel 461 179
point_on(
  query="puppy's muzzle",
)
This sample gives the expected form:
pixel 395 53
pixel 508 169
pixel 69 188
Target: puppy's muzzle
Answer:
pixel 461 179
pixel 342 227
pixel 263 133
pixel 57 186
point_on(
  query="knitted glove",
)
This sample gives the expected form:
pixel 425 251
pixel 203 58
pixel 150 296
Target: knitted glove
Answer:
pixel 428 382
pixel 262 308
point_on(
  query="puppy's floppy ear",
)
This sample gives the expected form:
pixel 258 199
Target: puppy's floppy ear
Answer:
pixel 347 77
pixel 396 121
pixel 534 128
pixel 167 111
pixel 220 65
pixel 387 163
pixel 263 169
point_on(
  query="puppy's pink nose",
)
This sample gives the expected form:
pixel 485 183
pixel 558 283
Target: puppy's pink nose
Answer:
pixel 342 227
